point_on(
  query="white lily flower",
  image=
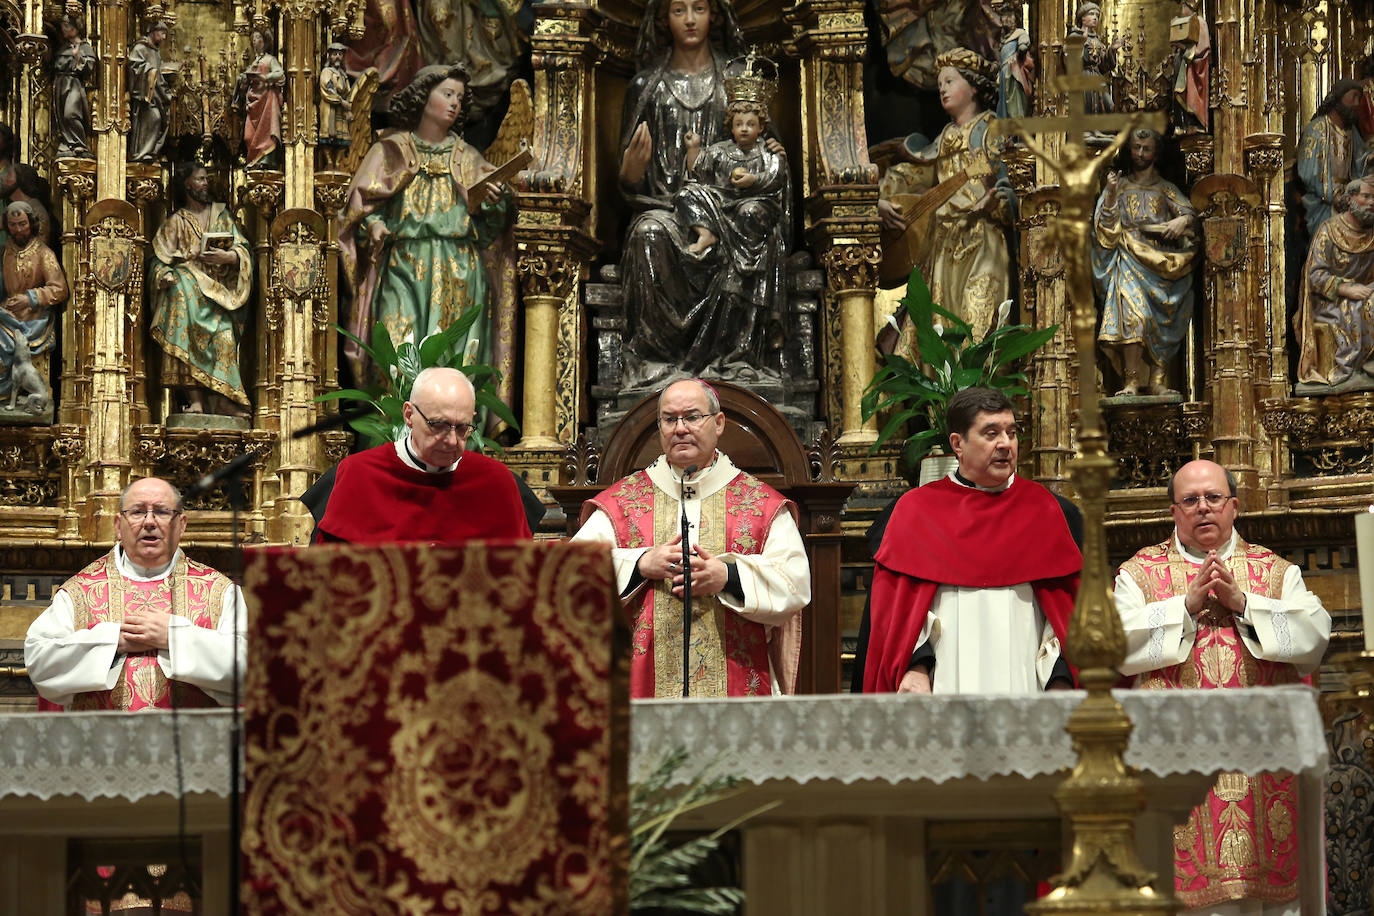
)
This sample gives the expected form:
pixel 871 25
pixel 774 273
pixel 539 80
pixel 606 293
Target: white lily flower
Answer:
pixel 470 354
pixel 1003 312
pixel 939 328
pixel 892 322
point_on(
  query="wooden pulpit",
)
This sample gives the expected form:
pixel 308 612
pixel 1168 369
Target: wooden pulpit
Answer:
pixel 759 440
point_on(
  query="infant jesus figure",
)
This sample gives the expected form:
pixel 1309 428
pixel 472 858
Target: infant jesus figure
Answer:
pixel 739 191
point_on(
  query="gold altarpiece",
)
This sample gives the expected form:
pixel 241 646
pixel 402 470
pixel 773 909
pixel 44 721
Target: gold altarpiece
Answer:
pixel 1297 458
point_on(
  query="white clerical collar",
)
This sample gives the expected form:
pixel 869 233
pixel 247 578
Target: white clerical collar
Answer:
pixel 1197 558
pixel 963 481
pixel 697 486
pixel 407 455
pixel 131 570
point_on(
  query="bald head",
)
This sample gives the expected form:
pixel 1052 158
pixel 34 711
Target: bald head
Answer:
pixel 439 414
pixel 151 522
pixel 440 381
pixel 1203 503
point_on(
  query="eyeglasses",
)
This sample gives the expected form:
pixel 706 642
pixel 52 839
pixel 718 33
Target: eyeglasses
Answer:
pixel 693 421
pixel 443 427
pixel 157 512
pixel 1213 500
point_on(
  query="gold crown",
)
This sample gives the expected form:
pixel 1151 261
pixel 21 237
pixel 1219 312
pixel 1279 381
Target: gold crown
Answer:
pixel 751 78
pixel 964 59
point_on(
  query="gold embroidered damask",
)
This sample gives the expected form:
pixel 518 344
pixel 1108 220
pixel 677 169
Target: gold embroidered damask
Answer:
pixel 433 730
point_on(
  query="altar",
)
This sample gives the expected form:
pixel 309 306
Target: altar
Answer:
pixel 856 780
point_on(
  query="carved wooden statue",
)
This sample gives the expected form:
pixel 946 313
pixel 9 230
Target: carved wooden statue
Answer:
pixel 1146 244
pixel 201 278
pixel 150 97
pixel 74 63
pixel 33 285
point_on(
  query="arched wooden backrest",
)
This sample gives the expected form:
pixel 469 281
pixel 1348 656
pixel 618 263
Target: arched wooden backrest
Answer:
pixel 757 438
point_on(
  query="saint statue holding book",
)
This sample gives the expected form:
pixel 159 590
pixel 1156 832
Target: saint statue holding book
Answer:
pixel 201 276
pixel 417 232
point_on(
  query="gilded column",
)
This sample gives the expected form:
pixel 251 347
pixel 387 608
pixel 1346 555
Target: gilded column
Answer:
pixel 554 235
pixel 841 192
pixel 1226 203
pixel 35 92
pixel 547 278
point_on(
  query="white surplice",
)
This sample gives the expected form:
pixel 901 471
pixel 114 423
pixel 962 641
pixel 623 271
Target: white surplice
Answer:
pixel 64 661
pixel 988 640
pixel 1293 628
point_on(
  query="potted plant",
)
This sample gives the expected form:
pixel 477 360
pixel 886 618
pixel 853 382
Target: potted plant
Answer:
pixel 950 360
pixel 399 364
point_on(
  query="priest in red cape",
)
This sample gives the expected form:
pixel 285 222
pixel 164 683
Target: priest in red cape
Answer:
pixel 425 486
pixel 977 573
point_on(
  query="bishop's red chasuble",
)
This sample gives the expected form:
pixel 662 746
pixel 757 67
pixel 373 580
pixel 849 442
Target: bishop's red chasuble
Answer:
pixel 1241 843
pixel 730 655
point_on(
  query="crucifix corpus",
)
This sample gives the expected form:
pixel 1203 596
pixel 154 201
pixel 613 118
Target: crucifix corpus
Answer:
pixel 1102 796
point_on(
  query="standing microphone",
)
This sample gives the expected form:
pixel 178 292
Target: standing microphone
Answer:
pixel 686 580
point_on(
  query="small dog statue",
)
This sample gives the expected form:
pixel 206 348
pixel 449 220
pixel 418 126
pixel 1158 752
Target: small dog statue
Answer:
pixel 25 380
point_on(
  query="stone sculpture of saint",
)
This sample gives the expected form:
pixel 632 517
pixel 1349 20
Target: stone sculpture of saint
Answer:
pixel 201 278
pixel 74 63
pixel 411 238
pixel 1145 234
pixel 150 98
pixel 260 88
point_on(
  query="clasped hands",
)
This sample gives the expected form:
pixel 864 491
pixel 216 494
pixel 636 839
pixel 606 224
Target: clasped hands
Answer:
pixel 1214 579
pixel 665 562
pixel 144 631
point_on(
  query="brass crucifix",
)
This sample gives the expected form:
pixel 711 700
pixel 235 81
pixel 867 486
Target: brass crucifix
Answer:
pixel 1102 797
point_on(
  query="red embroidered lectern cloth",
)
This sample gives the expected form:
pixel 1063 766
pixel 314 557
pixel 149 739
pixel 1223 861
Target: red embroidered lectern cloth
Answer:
pixel 433 730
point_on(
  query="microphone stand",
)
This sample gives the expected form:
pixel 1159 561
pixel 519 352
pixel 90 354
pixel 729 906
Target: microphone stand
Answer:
pixel 686 581
pixel 232 474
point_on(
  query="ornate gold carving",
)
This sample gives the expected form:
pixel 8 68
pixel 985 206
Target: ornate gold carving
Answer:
pixel 546 274
pixel 336 445
pixel 1264 155
pixel 76 178
pixel 851 267
pixel 30 470
pixel 1149 444
pixel 1198 154
pixel 331 190
pixel 264 189
pixel 182 456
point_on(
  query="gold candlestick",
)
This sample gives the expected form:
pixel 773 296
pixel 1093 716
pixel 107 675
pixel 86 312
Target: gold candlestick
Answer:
pixel 1102 796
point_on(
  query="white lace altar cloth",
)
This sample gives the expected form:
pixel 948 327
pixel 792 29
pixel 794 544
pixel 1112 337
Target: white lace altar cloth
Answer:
pixel 895 738
pixel 121 755
pixel 887 737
